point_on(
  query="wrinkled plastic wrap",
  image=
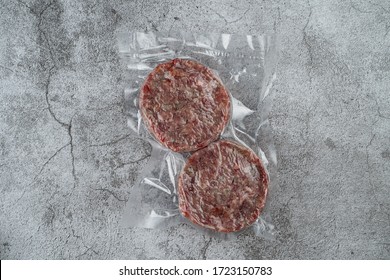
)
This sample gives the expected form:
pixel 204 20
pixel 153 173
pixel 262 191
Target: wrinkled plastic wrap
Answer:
pixel 246 66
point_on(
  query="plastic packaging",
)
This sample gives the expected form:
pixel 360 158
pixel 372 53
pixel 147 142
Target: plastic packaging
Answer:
pixel 246 66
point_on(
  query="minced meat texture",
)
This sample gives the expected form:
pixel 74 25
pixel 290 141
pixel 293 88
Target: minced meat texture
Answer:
pixel 223 187
pixel 184 105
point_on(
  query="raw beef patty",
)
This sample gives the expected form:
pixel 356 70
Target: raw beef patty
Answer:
pixel 184 105
pixel 223 187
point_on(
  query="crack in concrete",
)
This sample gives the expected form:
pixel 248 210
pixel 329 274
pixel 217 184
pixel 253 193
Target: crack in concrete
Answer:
pixel 31 236
pixel 49 46
pixel 40 30
pixel 372 186
pixel 15 71
pixel 387 27
pixel 112 193
pixel 233 21
pixel 378 110
pixel 89 248
pixel 278 21
pixel 86 251
pixel 369 166
pixel 48 160
pixel 358 9
pixel 52 217
pixel 20 197
pixel 111 143
pixel 7 68
pixel 132 161
pixel 27 6
pixel 383 9
pixel 47 85
pixel 307 120
pixel 74 234
pixel 42 168
pixel 380 6
pixel 56 191
pixel 353 6
pixel 42 12
pixel 241 17
pixel 67 126
pixel 221 16
pixel 203 251
pixel 307 44
pixel 72 154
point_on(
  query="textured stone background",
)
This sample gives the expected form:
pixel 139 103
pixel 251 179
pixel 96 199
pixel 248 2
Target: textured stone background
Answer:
pixel 67 160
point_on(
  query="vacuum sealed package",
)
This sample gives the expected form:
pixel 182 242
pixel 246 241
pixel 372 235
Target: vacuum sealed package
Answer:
pixel 202 102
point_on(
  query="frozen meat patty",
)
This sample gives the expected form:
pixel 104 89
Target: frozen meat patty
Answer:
pixel 223 187
pixel 184 105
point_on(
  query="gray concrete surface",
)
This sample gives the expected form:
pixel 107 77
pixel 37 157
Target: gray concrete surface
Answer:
pixel 67 160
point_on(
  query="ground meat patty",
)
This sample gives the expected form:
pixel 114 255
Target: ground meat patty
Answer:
pixel 184 105
pixel 223 187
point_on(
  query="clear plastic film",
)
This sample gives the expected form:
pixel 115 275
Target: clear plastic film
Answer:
pixel 246 66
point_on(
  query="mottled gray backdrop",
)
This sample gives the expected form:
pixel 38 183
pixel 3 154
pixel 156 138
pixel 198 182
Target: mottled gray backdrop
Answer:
pixel 67 160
